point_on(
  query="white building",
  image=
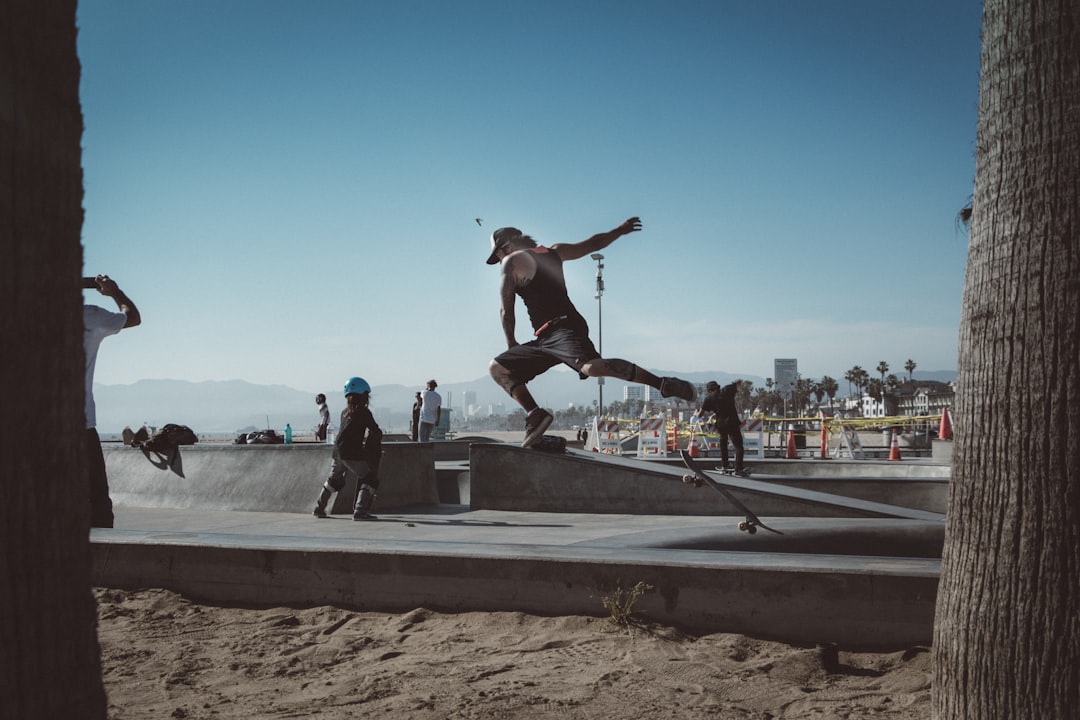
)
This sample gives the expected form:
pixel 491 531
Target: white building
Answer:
pixel 644 393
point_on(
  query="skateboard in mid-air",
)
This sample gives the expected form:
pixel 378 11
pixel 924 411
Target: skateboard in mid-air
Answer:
pixel 751 522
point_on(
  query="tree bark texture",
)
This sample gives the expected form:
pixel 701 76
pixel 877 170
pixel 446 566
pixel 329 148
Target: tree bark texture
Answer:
pixel 49 654
pixel 1007 634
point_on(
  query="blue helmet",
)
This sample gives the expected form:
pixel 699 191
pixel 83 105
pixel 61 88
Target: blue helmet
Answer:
pixel 357 386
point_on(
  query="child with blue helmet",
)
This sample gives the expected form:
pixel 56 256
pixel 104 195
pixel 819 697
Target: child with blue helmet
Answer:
pixel 357 452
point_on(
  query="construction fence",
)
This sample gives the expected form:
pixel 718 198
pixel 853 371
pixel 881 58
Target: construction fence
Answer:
pixel 857 438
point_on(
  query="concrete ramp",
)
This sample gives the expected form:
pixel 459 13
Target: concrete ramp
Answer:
pixel 261 478
pixel 505 477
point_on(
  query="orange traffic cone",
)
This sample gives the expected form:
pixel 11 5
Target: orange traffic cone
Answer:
pixel 792 453
pixel 692 448
pixel 894 451
pixel 945 429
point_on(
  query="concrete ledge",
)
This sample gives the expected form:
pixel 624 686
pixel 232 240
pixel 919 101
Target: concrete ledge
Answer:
pixel 263 478
pixel 870 603
pixel 503 477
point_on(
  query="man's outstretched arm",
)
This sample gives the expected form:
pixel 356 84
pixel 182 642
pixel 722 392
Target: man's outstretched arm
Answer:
pixel 573 251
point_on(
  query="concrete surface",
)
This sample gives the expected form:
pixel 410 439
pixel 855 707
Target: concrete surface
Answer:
pixel 237 529
pixel 505 477
pixel 455 559
pixel 271 478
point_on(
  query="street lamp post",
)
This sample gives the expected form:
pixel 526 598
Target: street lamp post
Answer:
pixel 600 322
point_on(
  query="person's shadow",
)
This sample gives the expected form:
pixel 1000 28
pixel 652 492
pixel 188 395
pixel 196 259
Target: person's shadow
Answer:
pixel 168 460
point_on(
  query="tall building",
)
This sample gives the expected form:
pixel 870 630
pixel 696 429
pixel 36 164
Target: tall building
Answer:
pixel 785 375
pixel 644 393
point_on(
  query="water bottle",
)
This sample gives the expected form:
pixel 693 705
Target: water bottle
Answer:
pixel 288 434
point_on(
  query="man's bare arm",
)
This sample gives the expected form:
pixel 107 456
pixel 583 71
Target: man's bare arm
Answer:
pixel 506 309
pixel 573 251
pixel 108 287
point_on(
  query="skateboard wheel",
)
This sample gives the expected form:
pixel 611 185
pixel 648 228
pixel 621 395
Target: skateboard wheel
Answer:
pixel 751 529
pixel 744 526
pixel 688 479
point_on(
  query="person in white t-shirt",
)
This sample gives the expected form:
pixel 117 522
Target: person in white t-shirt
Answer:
pixel 430 411
pixel 98 324
pixel 324 418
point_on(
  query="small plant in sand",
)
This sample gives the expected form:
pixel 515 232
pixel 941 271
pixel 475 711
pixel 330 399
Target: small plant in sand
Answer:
pixel 621 602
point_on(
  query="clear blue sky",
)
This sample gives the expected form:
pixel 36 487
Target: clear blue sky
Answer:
pixel 287 190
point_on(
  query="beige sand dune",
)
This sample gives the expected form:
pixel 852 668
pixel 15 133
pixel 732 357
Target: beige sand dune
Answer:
pixel 166 657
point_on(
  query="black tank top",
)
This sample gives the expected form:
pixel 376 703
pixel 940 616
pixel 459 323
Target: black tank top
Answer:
pixel 545 295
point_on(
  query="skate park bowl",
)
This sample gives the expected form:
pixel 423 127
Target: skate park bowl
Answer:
pixel 857 563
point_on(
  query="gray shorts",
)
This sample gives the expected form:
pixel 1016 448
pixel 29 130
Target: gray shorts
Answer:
pixel 566 344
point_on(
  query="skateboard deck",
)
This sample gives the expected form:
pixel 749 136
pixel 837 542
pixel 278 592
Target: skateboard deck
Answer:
pixel 699 478
pixel 551 444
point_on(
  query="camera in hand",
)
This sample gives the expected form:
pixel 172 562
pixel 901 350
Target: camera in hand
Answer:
pixel 89 282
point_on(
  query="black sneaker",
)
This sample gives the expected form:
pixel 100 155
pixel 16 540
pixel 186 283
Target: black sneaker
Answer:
pixel 319 513
pixel 674 387
pixel 536 424
pixel 363 515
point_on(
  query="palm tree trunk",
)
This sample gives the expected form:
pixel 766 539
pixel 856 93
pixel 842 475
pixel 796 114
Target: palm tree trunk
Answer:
pixel 48 641
pixel 1007 639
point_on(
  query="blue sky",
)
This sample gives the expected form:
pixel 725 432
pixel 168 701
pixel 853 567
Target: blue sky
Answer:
pixel 288 189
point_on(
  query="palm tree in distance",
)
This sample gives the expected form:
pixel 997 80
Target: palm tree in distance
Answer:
pixel 882 368
pixel 852 377
pixel 830 386
pixel 910 367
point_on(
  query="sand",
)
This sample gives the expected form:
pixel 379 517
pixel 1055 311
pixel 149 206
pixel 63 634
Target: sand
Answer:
pixel 166 657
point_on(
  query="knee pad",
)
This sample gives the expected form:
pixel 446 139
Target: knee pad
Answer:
pixel 333 486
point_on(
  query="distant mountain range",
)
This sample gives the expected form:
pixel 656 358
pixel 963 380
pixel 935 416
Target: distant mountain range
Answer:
pixel 232 406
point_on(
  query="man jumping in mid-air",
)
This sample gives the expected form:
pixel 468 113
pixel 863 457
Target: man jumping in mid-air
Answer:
pixel 561 333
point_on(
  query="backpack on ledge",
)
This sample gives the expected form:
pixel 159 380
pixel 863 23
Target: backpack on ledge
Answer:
pixel 168 438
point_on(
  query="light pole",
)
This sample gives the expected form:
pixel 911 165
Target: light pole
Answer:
pixel 600 322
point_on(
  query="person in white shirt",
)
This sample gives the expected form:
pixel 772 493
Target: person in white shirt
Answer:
pixel 430 411
pixel 324 418
pixel 98 324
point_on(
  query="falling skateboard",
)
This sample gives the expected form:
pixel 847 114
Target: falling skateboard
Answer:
pixel 699 478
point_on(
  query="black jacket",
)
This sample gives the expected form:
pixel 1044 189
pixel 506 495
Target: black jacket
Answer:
pixel 359 437
pixel 722 402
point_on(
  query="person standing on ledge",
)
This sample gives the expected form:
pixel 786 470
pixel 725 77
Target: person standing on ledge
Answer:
pixel 726 421
pixel 415 427
pixel 430 411
pixel 561 335
pixel 324 418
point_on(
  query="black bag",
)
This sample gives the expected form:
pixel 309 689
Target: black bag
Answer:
pixel 261 437
pixel 170 437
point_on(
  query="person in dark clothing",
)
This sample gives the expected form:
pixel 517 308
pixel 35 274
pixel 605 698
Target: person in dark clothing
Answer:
pixel 535 274
pixel 416 417
pixel 726 422
pixel 357 452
